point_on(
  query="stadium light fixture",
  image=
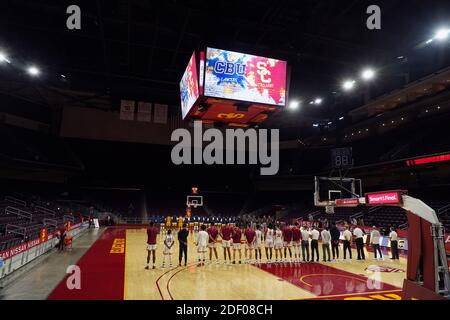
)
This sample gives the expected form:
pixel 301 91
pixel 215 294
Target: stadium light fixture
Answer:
pixel 294 104
pixel 348 85
pixel 315 125
pixel 4 58
pixel 318 100
pixel 33 71
pixel 442 34
pixel 341 118
pixel 367 74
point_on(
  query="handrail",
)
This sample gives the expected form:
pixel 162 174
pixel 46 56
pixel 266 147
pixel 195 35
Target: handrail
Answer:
pixel 12 228
pixel 16 201
pixel 373 209
pixel 403 226
pixel 443 209
pixel 18 212
pixel 357 215
pixel 50 222
pixel 44 210
pixel 69 217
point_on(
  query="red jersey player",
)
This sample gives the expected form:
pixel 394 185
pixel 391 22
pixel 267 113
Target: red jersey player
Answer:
pixel 296 241
pixel 237 244
pixel 152 233
pixel 287 237
pixel 213 233
pixel 250 237
pixel 225 234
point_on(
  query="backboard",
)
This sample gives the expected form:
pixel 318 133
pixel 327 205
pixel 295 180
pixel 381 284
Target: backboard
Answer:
pixel 194 201
pixel 329 189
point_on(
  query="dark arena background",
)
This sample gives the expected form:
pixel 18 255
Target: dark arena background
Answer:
pixel 294 150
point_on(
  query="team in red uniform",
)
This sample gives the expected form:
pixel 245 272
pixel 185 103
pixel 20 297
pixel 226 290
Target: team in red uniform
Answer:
pixel 152 233
pixel 236 235
pixel 250 238
pixel 287 237
pixel 296 242
pixel 213 233
pixel 225 234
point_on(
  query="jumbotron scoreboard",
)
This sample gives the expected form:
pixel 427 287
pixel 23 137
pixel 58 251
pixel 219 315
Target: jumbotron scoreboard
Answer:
pixel 232 88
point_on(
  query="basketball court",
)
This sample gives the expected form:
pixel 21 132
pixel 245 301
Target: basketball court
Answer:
pixel 286 126
pixel 119 274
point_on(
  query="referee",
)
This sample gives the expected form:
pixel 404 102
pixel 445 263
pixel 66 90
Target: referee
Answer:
pixel 182 238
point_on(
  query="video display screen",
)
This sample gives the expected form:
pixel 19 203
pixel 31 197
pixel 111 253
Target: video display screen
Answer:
pixel 189 87
pixel 245 77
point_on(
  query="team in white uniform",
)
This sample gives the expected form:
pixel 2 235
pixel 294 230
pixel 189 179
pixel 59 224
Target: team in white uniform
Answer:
pixel 169 241
pixel 269 243
pixel 258 244
pixel 202 243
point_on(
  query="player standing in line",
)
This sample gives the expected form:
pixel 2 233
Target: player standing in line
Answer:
pixel 287 236
pixel 269 243
pixel 278 244
pixel 180 223
pixel 258 244
pixel 250 238
pixel 305 244
pixel 202 242
pixel 168 222
pixel 213 233
pixel 195 229
pixel 168 244
pixel 237 244
pixel 225 234
pixel 296 236
pixel 152 233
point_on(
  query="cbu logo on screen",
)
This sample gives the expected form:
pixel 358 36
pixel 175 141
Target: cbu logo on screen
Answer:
pixel 229 68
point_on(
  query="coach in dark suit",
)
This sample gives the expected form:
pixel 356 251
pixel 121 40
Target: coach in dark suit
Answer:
pixel 182 238
pixel 335 235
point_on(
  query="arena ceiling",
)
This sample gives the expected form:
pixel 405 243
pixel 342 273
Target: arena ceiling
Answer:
pixel 139 48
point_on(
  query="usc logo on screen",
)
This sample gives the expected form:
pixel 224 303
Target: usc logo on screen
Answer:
pixel 230 116
pixel 263 72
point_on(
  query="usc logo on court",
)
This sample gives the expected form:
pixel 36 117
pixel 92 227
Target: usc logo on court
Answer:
pixel 230 116
pixel 118 246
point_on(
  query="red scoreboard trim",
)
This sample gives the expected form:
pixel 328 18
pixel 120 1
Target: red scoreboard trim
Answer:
pixel 428 160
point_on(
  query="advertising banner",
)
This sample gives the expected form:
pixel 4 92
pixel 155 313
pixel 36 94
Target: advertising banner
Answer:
pixel 245 77
pixel 160 113
pixel 189 87
pixel 126 110
pixel 383 198
pixel 144 111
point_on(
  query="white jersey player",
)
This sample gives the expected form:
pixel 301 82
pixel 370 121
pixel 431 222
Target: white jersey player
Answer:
pixel 169 241
pixel 202 243
pixel 269 243
pixel 278 244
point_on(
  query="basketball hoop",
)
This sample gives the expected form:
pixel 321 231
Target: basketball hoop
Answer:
pixel 329 209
